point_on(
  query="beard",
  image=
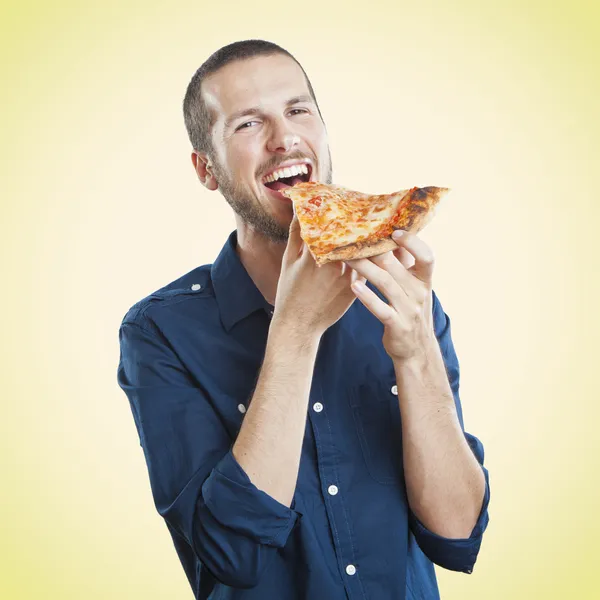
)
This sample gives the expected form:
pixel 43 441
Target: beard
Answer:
pixel 247 206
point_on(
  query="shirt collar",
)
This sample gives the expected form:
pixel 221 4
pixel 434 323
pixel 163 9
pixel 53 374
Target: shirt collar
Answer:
pixel 235 292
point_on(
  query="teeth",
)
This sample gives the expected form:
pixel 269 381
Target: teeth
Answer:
pixel 287 172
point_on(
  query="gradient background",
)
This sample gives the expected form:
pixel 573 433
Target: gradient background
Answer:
pixel 100 206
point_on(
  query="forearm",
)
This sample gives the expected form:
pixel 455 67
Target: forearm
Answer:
pixel 269 444
pixel 444 481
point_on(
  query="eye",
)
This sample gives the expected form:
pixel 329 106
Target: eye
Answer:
pixel 298 111
pixel 247 125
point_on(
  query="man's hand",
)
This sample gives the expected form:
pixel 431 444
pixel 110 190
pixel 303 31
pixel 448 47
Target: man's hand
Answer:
pixel 445 484
pixel 311 298
pixel 408 317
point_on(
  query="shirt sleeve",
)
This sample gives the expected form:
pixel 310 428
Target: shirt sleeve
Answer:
pixel 453 554
pixel 198 487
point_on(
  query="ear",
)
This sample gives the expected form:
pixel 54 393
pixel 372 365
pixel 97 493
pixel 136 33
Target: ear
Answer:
pixel 204 169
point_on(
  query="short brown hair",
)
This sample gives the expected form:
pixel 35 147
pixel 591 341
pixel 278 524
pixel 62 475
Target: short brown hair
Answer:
pixel 197 117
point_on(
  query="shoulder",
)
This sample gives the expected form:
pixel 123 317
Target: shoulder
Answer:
pixel 193 286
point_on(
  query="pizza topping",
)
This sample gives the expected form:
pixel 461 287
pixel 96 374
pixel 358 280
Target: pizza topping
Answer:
pixel 337 223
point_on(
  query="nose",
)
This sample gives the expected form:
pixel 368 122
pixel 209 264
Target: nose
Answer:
pixel 282 140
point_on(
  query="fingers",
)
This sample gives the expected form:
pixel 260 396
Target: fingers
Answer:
pixel 407 260
pixel 422 253
pixel 390 285
pixel 350 274
pixel 373 303
pixel 389 262
pixel 354 276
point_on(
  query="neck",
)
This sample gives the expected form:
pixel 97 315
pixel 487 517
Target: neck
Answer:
pixel 261 259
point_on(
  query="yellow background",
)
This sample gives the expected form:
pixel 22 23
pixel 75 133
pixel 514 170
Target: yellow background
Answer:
pixel 100 206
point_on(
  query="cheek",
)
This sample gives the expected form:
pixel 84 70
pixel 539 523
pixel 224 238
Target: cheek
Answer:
pixel 242 163
pixel 319 140
pixel 317 131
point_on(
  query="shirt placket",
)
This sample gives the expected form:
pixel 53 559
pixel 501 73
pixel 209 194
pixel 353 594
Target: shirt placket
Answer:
pixel 330 474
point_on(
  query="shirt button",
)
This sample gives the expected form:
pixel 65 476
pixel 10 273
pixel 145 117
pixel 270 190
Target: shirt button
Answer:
pixel 351 569
pixel 394 390
pixel 317 407
pixel 333 490
pixel 196 287
pixel 241 408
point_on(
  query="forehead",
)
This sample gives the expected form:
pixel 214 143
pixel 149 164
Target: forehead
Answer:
pixel 258 81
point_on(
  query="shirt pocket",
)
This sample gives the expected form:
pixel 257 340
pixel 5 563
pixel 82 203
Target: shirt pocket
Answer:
pixel 377 418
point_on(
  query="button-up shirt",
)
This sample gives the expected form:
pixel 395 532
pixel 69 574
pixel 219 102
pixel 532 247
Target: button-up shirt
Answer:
pixel 190 357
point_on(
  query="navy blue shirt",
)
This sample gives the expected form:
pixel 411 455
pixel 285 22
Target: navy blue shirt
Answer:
pixel 190 357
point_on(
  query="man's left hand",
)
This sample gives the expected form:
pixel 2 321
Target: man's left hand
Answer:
pixel 408 316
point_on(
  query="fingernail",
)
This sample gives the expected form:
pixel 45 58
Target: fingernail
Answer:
pixel 358 286
pixel 397 234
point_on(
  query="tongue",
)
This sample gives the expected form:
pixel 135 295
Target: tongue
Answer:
pixel 288 182
pixel 278 185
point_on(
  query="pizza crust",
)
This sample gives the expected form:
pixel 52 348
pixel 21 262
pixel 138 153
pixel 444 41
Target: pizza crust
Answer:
pixel 370 249
pixel 318 206
pixel 357 250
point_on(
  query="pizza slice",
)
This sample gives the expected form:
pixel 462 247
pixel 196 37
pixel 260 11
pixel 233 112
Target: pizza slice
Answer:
pixel 340 224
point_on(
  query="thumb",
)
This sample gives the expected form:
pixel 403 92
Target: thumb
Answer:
pixel 294 245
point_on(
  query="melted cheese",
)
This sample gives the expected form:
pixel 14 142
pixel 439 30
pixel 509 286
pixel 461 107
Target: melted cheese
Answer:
pixel 332 217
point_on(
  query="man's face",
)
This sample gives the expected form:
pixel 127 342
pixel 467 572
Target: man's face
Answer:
pixel 265 120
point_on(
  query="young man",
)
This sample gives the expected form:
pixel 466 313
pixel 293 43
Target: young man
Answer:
pixel 304 438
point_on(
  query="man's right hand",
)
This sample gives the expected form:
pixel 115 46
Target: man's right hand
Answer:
pixel 310 298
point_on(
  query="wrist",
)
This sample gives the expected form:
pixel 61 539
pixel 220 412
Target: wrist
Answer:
pixel 292 334
pixel 421 354
pixel 423 377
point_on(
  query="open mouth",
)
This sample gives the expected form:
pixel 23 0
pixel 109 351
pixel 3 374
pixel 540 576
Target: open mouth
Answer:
pixel 288 176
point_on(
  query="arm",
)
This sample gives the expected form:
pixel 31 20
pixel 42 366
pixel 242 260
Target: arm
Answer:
pixel 309 300
pixel 449 552
pixel 205 498
pixel 445 483
pixel 447 487
pixel 269 443
pixel 208 499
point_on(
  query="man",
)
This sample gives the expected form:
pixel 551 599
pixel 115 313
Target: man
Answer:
pixel 301 443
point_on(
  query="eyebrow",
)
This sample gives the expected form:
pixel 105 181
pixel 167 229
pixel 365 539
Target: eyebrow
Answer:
pixel 246 112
